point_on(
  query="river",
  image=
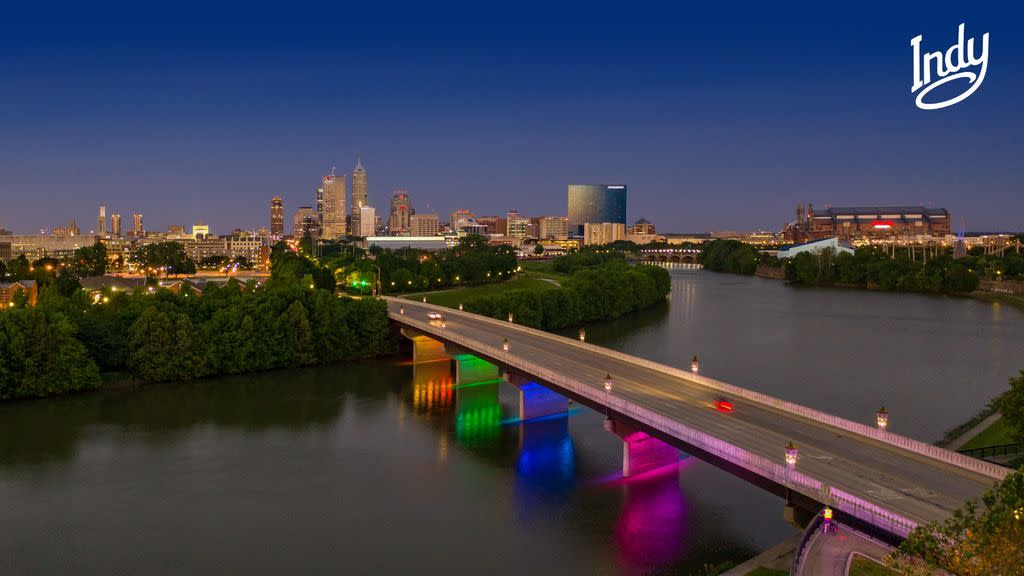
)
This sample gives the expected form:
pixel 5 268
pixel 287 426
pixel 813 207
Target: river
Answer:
pixel 381 467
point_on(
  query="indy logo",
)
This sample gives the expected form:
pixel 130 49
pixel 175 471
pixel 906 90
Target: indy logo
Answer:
pixel 947 68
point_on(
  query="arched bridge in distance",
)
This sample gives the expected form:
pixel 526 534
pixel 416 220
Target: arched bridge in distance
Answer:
pixel 877 479
pixel 673 255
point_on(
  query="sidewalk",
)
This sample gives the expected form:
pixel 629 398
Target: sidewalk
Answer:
pixel 977 429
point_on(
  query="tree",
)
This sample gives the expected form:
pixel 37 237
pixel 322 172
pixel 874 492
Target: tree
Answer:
pixel 538 249
pixel 90 260
pixel 1011 405
pixel 166 257
pixel 985 538
pixel 40 356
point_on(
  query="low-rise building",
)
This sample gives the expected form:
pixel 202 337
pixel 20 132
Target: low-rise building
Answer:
pixel 595 234
pixel 815 247
pixel 8 290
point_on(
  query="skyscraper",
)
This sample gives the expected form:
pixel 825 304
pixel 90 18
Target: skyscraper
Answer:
pixel 305 222
pixel 137 230
pixel 360 195
pixel 596 203
pixel 333 213
pixel 276 216
pixel 101 222
pixel 115 225
pixel 367 222
pixel 401 209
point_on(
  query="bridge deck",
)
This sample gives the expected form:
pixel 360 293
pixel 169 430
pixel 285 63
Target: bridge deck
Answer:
pixel 903 482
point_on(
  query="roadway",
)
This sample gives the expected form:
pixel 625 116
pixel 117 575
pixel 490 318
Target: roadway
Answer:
pixel 914 486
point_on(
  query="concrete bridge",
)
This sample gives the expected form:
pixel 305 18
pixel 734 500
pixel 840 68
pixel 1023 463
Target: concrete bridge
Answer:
pixel 881 480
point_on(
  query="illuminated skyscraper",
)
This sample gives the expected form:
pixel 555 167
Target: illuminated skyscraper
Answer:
pixel 596 204
pixel 401 210
pixel 332 215
pixel 137 230
pixel 115 225
pixel 276 216
pixel 101 222
pixel 367 222
pixel 305 222
pixel 360 196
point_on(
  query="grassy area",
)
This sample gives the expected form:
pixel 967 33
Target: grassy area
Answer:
pixel 452 298
pixel 864 567
pixel 762 571
pixel 542 269
pixel 998 433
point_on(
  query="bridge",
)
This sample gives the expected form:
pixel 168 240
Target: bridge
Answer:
pixel 882 480
pixel 680 255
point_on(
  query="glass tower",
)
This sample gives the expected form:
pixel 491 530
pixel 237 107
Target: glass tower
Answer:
pixel 596 203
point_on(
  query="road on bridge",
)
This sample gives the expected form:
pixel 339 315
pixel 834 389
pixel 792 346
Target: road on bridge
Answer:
pixel 914 486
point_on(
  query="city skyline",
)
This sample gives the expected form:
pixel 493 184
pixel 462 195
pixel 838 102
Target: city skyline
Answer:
pixel 145 124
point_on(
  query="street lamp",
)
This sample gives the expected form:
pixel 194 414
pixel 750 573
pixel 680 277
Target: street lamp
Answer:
pixel 401 309
pixel 504 345
pixel 694 365
pixel 583 335
pixel 608 383
pixel 460 305
pixel 510 317
pixel 424 299
pixel 791 454
pixel 882 418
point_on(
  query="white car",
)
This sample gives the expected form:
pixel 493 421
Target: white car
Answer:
pixel 434 315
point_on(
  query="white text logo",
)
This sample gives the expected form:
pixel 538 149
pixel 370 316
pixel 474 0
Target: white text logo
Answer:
pixel 947 69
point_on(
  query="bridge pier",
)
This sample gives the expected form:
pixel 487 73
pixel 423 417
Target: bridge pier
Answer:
pixel 536 401
pixel 433 387
pixel 425 348
pixel 472 370
pixel 640 451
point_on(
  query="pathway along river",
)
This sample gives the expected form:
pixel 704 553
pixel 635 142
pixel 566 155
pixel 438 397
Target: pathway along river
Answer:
pixel 377 469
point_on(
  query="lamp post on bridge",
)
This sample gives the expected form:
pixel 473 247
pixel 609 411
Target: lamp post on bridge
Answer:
pixel 510 317
pixel 882 418
pixel 607 394
pixel 401 308
pixel 583 335
pixel 695 365
pixel 791 454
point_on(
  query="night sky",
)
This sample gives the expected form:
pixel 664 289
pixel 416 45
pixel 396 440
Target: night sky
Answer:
pixel 716 118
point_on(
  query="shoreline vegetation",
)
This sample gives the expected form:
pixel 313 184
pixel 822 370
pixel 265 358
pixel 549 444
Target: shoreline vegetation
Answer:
pixel 75 340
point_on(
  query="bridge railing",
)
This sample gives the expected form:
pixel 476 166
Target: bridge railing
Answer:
pixel 771 469
pixel 989 469
pixel 995 450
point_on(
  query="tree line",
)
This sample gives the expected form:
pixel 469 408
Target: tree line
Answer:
pixel 602 291
pixel 65 342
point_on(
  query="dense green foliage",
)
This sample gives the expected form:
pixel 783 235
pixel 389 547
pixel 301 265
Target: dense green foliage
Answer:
pixel 586 258
pixel 981 538
pixel 602 291
pixel 39 355
pixel 165 257
pixel 871 268
pixel 730 256
pixel 1011 405
pixel 473 261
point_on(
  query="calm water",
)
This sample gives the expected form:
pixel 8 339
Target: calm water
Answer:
pixel 384 468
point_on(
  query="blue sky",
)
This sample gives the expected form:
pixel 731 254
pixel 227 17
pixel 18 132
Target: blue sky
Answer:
pixel 717 117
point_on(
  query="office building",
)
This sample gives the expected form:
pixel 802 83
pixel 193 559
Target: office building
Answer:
pixel 642 227
pixel 5 251
pixel 70 230
pixel 175 230
pixel 137 230
pixel 332 214
pixel 598 233
pixel 200 230
pixel 596 203
pixel 367 221
pixel 360 196
pixel 101 222
pixel 115 225
pixel 461 214
pixel 517 225
pixel 305 222
pixel 495 224
pixel 424 225
pixel 553 227
pixel 401 210
pixel 276 216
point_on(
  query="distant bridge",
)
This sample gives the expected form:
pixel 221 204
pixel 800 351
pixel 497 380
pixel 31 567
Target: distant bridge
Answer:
pixel 882 480
pixel 681 255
